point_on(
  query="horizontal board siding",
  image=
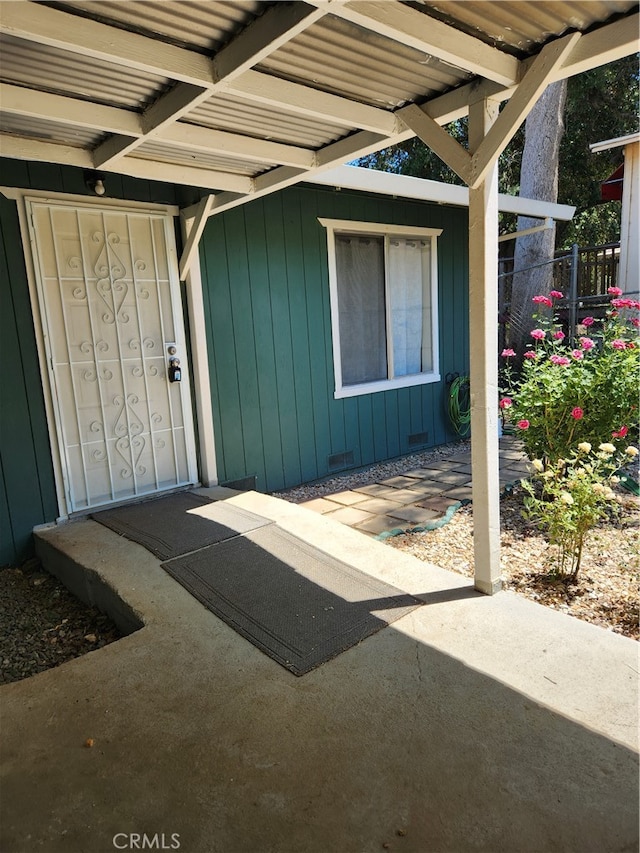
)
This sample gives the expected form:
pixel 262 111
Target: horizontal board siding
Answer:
pixel 27 487
pixel 267 306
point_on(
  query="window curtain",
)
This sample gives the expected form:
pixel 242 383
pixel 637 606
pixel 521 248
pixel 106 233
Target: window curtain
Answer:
pixel 409 294
pixel 361 306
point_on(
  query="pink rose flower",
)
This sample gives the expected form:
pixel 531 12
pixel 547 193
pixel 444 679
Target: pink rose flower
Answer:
pixel 621 433
pixel 530 353
pixel 619 344
pixel 538 334
pixel 577 354
pixel 588 321
pixel 614 291
pixel 622 303
pixel 505 402
pixel 559 335
pixel 577 413
pixel 587 343
pixel 523 424
pixel 557 294
pixel 508 353
pixel 636 322
pixel 559 359
pixel 542 300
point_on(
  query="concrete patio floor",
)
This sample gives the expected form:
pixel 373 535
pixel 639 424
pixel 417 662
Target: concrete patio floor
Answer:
pixel 419 495
pixel 472 724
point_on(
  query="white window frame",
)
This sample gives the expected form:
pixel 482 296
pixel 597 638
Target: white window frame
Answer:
pixel 363 229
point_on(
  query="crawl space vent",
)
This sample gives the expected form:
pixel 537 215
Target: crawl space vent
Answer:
pixel 418 439
pixel 338 461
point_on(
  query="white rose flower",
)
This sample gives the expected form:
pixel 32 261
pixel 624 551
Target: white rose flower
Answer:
pixel 566 498
pixel 631 451
pixel 584 447
pixel 607 448
pixel 538 465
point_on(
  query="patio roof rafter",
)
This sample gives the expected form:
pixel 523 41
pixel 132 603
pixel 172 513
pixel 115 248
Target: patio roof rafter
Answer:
pixel 18 100
pixel 421 32
pixel 26 148
pixel 279 24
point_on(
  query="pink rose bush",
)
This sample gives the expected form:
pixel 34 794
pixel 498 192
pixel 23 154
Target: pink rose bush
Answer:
pixel 570 392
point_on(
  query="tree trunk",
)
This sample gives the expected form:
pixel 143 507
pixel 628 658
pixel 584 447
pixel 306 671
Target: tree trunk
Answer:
pixel 538 179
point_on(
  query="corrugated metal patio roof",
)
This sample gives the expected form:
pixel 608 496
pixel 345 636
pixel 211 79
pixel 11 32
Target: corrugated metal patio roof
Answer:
pixel 271 92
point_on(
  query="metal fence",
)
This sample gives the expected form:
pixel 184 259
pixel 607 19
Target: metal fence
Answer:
pixel 582 274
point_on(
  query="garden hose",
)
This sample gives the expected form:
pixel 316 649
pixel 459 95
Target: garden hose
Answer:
pixel 460 404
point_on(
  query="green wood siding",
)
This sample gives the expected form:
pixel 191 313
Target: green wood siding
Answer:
pixel 269 335
pixel 27 489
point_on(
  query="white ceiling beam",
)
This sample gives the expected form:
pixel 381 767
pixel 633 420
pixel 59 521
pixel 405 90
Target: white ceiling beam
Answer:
pixel 532 85
pixel 606 44
pixel 428 35
pixel 23 148
pixel 41 24
pixel 18 100
pixel 313 103
pixel 195 138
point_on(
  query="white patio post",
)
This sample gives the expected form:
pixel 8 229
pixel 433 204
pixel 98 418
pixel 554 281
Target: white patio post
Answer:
pixel 483 345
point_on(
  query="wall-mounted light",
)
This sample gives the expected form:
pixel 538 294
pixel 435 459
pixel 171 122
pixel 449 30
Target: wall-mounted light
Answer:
pixel 95 182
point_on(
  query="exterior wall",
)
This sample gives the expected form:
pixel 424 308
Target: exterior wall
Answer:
pixel 268 320
pixel 27 490
pixel 264 268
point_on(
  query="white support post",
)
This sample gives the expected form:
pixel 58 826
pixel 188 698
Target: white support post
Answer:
pixel 200 362
pixel 483 343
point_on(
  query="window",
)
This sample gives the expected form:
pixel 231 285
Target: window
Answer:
pixel 384 308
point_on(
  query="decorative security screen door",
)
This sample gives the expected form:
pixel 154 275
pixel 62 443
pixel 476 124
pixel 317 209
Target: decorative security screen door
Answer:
pixel 111 312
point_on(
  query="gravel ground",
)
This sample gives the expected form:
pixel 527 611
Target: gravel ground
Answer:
pixel 606 592
pixel 43 624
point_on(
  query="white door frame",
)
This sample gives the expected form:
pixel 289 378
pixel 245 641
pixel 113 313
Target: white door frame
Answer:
pixel 20 195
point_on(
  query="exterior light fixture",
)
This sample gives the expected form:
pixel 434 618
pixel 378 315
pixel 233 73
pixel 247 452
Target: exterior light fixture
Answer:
pixel 95 182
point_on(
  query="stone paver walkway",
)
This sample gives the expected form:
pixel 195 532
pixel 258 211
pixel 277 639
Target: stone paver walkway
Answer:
pixel 417 496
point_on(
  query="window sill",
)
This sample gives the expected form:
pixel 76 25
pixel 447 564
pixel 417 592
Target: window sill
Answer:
pixel 385 385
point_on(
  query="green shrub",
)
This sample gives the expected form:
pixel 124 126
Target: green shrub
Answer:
pixel 570 496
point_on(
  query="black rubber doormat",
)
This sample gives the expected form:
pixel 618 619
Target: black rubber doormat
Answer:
pixel 297 604
pixel 171 526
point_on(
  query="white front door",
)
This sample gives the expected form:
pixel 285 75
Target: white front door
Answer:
pixel 112 318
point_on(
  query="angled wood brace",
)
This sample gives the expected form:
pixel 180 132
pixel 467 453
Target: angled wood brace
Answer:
pixel 473 167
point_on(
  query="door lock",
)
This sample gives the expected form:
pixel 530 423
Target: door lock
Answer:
pixel 175 371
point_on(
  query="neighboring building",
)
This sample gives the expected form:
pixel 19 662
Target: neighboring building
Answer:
pixel 624 185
